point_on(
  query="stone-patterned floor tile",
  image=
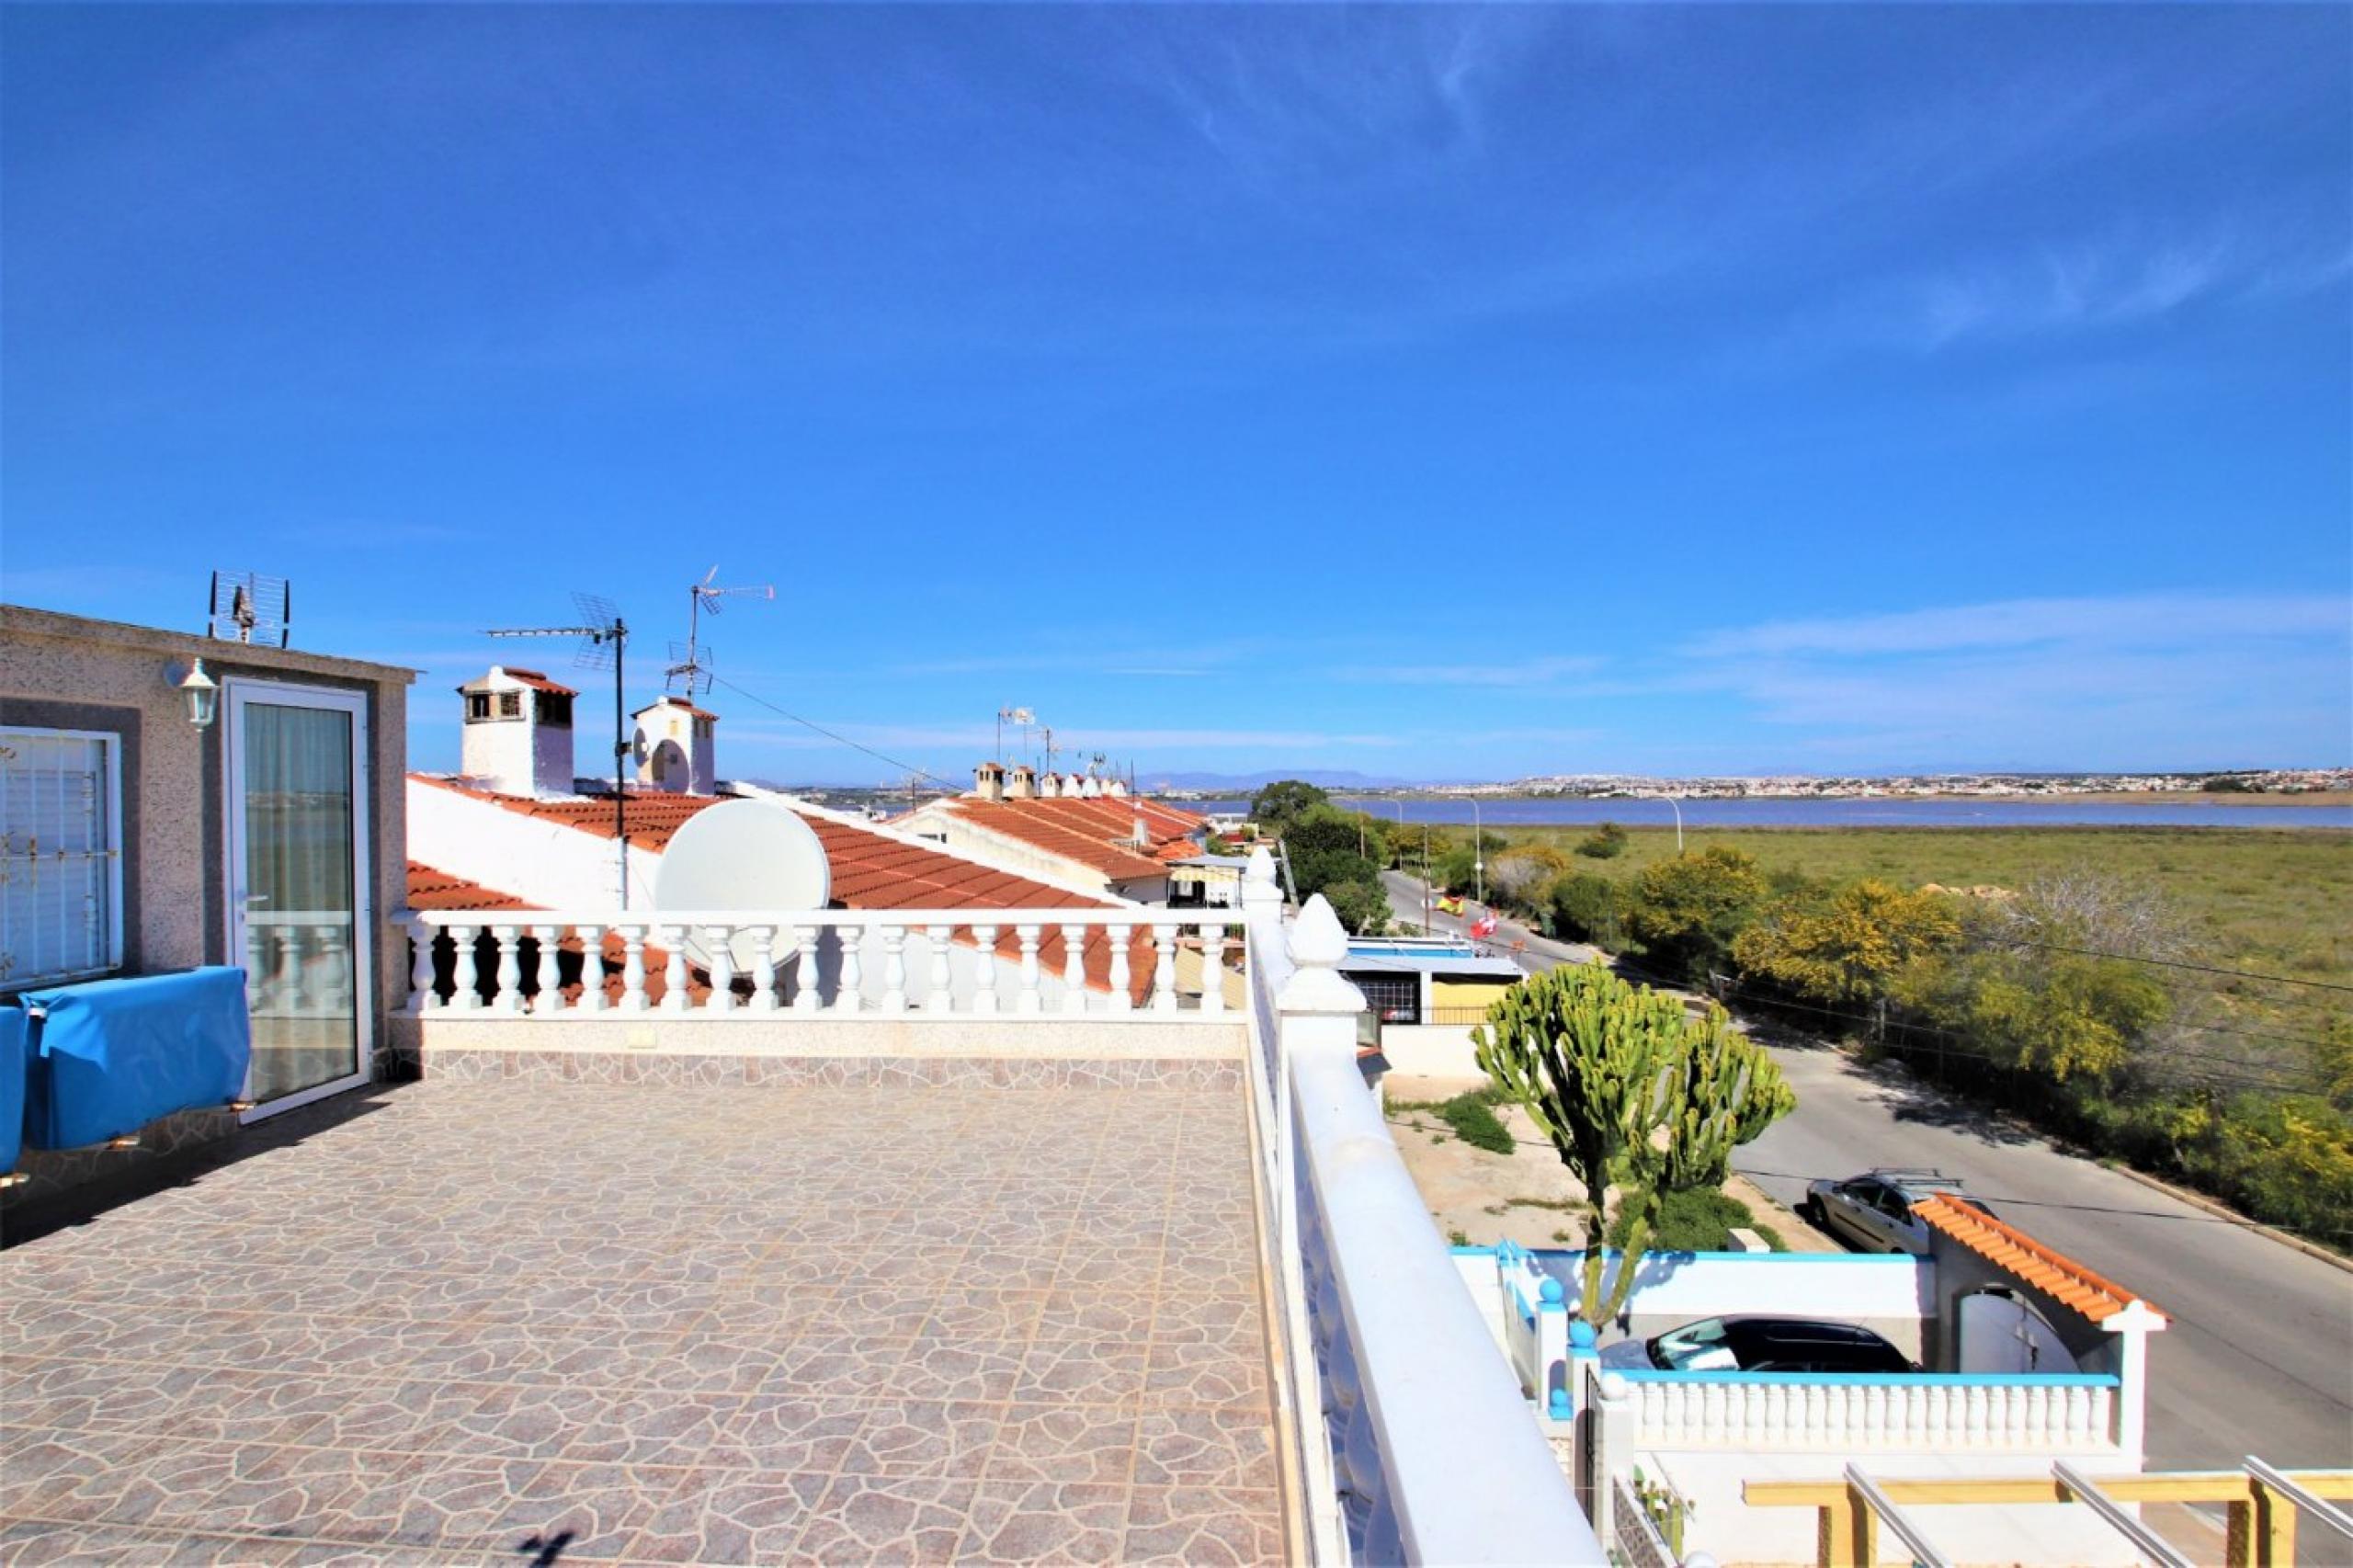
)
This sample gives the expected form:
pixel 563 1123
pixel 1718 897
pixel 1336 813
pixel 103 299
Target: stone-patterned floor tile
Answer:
pixel 1082 1371
pixel 1203 1527
pixel 407 1417
pixel 1097 1315
pixel 566 1512
pixel 975 1369
pixel 788 1433
pixel 1206 1448
pixel 731 1516
pixel 886 1520
pixel 252 1489
pixel 1134 1269
pixel 1045 1522
pixel 78 1475
pixel 35 1543
pixel 1233 1322
pixel 1064 1442
pixel 1205 1377
pixel 923 1437
pixel 963 1312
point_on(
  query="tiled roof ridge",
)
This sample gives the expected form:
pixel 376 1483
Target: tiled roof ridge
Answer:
pixel 2097 1297
pixel 430 887
pixel 899 835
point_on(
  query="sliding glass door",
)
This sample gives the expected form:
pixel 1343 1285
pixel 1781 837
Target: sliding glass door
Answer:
pixel 299 885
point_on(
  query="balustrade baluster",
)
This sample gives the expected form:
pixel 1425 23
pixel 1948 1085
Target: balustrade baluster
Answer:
pixel 939 996
pixel 1122 938
pixel 1030 999
pixel 984 969
pixel 715 942
pixel 1074 969
pixel 850 995
pixel 294 956
pixel 422 997
pixel 1213 968
pixel 591 968
pixel 633 999
pixel 549 999
pixel 463 976
pixel 894 969
pixel 1163 969
pixel 763 969
pixel 334 961
pixel 508 998
pixel 804 944
pixel 672 941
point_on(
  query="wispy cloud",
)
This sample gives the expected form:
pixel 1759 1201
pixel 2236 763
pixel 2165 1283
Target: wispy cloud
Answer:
pixel 1503 670
pixel 2147 680
pixel 2167 620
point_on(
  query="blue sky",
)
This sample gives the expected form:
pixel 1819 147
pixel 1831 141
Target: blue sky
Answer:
pixel 1431 392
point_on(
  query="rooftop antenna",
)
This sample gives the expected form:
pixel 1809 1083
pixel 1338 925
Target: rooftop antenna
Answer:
pixel 1048 731
pixel 604 637
pixel 1022 716
pixel 246 604
pixel 704 598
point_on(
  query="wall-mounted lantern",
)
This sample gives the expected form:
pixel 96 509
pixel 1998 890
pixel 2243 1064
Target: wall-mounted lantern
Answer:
pixel 200 692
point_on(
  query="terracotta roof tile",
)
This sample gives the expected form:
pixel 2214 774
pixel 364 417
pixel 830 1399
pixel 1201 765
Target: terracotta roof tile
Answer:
pixel 2097 1298
pixel 1098 834
pixel 431 888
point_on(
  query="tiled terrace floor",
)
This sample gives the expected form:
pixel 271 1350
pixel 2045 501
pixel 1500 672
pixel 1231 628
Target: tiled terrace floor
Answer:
pixel 481 1320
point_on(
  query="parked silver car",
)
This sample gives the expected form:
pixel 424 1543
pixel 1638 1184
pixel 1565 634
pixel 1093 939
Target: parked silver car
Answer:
pixel 1873 1211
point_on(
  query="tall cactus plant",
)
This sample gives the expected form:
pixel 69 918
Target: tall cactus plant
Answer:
pixel 1627 1085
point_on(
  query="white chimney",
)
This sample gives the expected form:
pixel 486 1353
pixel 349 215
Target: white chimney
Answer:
pixel 517 734
pixel 988 781
pixel 1021 783
pixel 676 747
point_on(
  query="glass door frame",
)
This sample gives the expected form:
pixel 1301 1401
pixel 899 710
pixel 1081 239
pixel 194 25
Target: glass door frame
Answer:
pixel 236 693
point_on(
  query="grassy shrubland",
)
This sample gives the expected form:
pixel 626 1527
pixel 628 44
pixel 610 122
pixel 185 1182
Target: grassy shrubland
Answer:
pixel 2022 977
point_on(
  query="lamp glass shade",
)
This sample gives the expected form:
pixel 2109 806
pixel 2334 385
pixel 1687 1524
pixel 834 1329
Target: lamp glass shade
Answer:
pixel 202 695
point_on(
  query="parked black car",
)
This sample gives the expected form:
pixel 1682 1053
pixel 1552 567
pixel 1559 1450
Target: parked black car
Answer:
pixel 1760 1344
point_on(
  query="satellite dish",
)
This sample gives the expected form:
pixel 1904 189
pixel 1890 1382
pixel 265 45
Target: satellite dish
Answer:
pixel 752 856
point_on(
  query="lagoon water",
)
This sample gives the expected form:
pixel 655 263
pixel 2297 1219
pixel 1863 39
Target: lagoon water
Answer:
pixel 1837 811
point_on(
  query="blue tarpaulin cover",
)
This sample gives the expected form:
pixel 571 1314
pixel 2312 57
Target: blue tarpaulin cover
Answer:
pixel 13 1068
pixel 112 1055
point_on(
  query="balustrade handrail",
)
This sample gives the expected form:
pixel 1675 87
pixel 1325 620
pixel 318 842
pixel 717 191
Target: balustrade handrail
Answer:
pixel 1438 1457
pixel 1002 919
pixel 1871 1380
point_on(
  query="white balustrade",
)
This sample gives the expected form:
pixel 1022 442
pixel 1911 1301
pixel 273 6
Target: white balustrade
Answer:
pixel 591 968
pixel 764 968
pixel 1030 1000
pixel 1939 1412
pixel 550 999
pixel 814 962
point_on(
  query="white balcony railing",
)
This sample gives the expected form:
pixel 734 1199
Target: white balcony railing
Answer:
pixel 831 962
pixel 1930 1411
pixel 1418 1445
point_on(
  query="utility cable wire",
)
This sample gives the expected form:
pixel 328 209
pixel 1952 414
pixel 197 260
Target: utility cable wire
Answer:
pixel 810 725
pixel 2170 963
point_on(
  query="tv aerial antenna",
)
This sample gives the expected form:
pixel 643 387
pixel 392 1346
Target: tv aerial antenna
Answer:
pixel 247 607
pixel 604 641
pixel 1022 716
pixel 691 667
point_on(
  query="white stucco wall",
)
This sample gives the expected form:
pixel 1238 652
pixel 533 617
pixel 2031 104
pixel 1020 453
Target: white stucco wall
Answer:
pixel 540 862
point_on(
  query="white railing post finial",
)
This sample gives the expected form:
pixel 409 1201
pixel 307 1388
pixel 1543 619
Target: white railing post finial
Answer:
pixel 1316 988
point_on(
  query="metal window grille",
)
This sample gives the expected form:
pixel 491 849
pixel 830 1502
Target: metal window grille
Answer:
pixel 60 855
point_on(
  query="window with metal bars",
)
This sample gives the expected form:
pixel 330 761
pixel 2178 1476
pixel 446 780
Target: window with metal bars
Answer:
pixel 60 855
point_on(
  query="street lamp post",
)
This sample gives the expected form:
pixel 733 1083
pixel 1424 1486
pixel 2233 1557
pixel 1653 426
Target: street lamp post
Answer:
pixel 1479 858
pixel 1677 810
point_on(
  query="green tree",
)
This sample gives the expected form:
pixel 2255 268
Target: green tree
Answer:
pixel 1328 848
pixel 1686 911
pixel 1279 803
pixel 1521 875
pixel 1587 908
pixel 1604 843
pixel 1629 1086
pixel 1362 907
pixel 1850 951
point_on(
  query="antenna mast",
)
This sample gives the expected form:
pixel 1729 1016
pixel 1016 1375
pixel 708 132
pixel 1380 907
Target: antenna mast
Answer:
pixel 602 636
pixel 693 667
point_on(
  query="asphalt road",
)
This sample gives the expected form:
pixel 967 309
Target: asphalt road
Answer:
pixel 2259 1357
